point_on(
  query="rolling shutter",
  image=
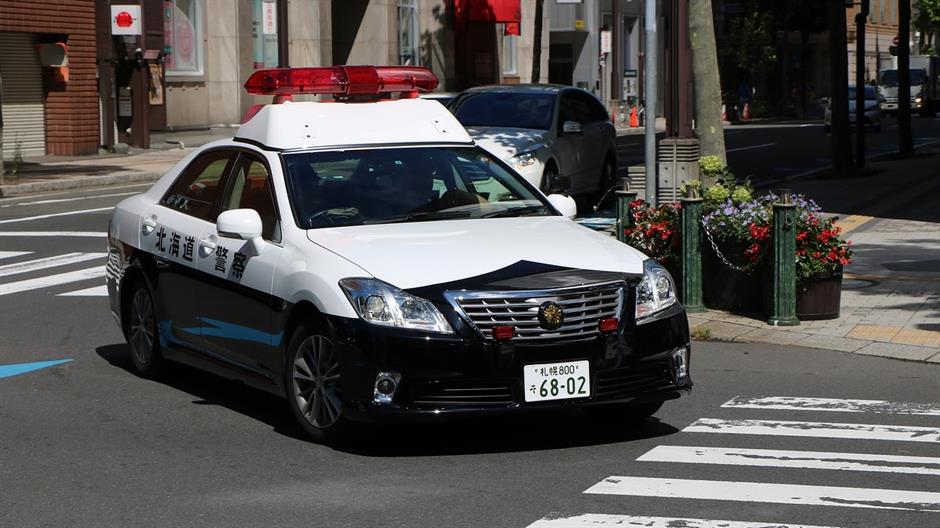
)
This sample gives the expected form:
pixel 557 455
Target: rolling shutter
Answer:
pixel 22 105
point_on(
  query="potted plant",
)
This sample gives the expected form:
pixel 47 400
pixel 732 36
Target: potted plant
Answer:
pixel 821 252
pixel 656 232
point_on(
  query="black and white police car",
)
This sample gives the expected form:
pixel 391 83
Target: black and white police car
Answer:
pixel 366 260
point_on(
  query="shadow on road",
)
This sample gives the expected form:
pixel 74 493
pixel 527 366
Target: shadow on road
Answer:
pixel 531 432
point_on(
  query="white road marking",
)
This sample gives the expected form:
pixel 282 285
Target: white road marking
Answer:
pixel 48 262
pixel 902 433
pixel 845 497
pixel 833 405
pixel 11 254
pixel 752 147
pixel 101 234
pixel 51 280
pixel 60 200
pixel 794 459
pixel 53 215
pixel 94 291
pixel 75 191
pixel 600 520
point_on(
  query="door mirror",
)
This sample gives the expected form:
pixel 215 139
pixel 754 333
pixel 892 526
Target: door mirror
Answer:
pixel 572 127
pixel 565 204
pixel 244 224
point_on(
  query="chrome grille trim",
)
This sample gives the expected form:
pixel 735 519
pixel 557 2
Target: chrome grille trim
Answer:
pixel 583 307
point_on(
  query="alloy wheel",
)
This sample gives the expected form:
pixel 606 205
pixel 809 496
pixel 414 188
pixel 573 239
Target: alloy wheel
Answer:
pixel 141 329
pixel 316 382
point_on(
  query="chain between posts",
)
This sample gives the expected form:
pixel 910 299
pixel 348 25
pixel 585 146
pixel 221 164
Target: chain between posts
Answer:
pixel 725 261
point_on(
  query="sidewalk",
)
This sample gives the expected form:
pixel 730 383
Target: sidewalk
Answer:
pixel 53 173
pixel 891 291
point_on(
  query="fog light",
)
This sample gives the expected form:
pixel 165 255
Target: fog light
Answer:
pixel 680 362
pixel 386 383
pixel 606 326
pixel 504 333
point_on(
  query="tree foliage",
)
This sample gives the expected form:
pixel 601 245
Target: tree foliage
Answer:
pixel 749 42
pixel 927 21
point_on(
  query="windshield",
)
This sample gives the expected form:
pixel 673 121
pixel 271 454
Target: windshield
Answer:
pixel 506 109
pixel 870 93
pixel 890 77
pixel 390 185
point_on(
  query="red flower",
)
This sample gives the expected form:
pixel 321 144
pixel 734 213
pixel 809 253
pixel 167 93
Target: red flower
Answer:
pixel 801 236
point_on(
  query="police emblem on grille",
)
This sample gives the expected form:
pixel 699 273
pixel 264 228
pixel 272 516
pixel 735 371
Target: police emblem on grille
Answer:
pixel 551 316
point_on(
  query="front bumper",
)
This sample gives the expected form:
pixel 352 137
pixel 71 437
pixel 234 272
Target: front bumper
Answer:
pixel 448 376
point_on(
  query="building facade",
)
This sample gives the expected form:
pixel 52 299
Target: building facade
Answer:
pixel 48 85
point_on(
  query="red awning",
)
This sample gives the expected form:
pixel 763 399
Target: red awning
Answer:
pixel 509 11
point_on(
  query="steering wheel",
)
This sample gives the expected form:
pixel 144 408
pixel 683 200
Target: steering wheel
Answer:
pixel 329 217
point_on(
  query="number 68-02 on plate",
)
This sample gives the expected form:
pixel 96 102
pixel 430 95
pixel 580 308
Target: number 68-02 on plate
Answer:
pixel 557 381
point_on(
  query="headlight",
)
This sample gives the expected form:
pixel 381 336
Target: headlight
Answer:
pixel 918 99
pixel 383 304
pixel 655 293
pixel 520 161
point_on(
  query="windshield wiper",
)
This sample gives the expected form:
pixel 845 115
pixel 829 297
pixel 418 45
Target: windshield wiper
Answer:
pixel 517 211
pixel 421 216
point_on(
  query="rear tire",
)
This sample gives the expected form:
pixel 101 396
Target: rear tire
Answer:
pixel 312 380
pixel 141 330
pixel 625 414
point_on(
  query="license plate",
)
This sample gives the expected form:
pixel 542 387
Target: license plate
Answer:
pixel 557 381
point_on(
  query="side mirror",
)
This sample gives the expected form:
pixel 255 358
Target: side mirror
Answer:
pixel 565 204
pixel 244 224
pixel 572 127
pixel 823 101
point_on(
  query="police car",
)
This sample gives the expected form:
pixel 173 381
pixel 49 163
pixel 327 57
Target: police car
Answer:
pixel 365 259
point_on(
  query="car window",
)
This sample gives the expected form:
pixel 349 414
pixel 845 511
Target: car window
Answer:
pixel 250 188
pixel 568 111
pixel 198 188
pixel 506 109
pixel 372 186
pixel 589 108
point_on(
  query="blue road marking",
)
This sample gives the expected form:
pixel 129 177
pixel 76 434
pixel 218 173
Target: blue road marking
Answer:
pixel 8 371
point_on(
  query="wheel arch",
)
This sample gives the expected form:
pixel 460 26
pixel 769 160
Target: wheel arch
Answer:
pixel 141 268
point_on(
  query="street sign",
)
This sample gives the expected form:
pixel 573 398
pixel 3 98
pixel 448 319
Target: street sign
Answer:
pixel 897 40
pixel 125 20
pixel 606 41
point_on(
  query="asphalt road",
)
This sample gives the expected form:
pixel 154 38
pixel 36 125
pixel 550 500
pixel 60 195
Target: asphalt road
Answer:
pixel 771 153
pixel 87 443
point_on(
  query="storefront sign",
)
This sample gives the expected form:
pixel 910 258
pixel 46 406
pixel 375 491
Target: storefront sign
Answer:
pixel 125 20
pixel 606 41
pixel 269 18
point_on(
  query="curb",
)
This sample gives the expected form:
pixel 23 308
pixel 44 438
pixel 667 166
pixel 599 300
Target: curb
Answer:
pixel 78 182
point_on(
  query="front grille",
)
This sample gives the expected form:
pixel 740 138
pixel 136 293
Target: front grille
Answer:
pixel 464 393
pixel 632 381
pixel 583 307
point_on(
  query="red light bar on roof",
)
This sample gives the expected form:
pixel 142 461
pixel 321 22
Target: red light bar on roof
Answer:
pixel 341 80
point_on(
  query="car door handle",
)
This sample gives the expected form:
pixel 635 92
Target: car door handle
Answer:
pixel 147 225
pixel 206 247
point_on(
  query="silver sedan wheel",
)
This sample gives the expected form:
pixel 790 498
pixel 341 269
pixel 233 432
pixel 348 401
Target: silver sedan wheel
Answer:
pixel 141 329
pixel 316 382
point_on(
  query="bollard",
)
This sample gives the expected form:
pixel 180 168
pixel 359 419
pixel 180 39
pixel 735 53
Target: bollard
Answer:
pixel 624 212
pixel 783 306
pixel 692 250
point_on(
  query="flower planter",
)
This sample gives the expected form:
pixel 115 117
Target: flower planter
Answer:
pixel 726 289
pixel 819 296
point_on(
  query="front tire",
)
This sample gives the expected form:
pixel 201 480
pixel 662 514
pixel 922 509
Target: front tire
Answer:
pixel 141 331
pixel 313 383
pixel 548 177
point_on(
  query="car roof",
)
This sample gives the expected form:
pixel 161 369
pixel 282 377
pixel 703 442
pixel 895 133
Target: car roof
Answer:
pixel 305 125
pixel 524 88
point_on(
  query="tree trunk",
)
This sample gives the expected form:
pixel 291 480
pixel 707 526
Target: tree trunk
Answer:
pixel 707 85
pixel 537 43
pixel 905 135
pixel 839 95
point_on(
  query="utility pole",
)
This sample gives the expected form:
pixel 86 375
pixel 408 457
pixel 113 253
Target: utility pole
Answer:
pixel 905 135
pixel 838 100
pixel 650 91
pixel 860 19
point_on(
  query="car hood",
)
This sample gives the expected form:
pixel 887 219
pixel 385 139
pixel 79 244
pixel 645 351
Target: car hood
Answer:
pixel 506 142
pixel 420 254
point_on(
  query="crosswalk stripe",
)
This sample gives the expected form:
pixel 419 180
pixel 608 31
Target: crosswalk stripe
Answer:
pixel 769 493
pixel 11 254
pixel 599 520
pixel 53 215
pixel 794 459
pixel 94 291
pixel 60 200
pixel 51 280
pixel 32 234
pixel 48 262
pixel 816 430
pixel 833 405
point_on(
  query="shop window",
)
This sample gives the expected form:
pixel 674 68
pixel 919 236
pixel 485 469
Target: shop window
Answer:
pixel 264 34
pixel 510 57
pixel 183 34
pixel 408 36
